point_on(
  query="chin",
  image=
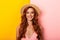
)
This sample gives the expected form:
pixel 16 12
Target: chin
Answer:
pixel 30 20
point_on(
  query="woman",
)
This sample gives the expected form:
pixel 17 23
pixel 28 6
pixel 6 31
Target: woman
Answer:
pixel 29 28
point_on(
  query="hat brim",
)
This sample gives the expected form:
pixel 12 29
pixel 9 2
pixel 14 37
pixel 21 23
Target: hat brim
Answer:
pixel 34 6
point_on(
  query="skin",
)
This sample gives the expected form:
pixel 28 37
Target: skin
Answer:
pixel 30 16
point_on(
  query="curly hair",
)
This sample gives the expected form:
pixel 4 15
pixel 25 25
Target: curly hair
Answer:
pixel 24 24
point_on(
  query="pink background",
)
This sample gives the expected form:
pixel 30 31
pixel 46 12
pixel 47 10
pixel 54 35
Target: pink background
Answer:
pixel 50 17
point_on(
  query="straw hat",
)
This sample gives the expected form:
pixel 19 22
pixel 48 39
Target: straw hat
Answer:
pixel 34 6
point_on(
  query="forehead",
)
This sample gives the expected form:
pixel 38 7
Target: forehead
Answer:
pixel 30 9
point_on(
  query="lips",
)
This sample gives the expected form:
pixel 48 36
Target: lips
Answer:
pixel 30 16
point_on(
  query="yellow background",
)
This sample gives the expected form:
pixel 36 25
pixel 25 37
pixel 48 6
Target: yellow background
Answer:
pixel 10 17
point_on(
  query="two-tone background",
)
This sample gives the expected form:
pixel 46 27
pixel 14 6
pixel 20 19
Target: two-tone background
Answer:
pixel 10 17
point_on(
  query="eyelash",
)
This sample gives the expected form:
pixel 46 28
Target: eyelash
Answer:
pixel 32 12
pixel 28 12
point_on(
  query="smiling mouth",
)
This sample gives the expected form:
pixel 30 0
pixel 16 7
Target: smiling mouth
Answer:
pixel 30 16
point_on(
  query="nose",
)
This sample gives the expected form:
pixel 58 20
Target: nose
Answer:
pixel 30 13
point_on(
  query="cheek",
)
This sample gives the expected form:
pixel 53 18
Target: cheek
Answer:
pixel 27 15
pixel 32 15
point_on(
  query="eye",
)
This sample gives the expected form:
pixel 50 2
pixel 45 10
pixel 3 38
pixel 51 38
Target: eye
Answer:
pixel 27 12
pixel 32 12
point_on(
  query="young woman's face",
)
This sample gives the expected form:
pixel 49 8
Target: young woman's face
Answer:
pixel 30 14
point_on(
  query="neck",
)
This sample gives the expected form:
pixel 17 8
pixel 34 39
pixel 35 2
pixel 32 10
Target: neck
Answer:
pixel 29 22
